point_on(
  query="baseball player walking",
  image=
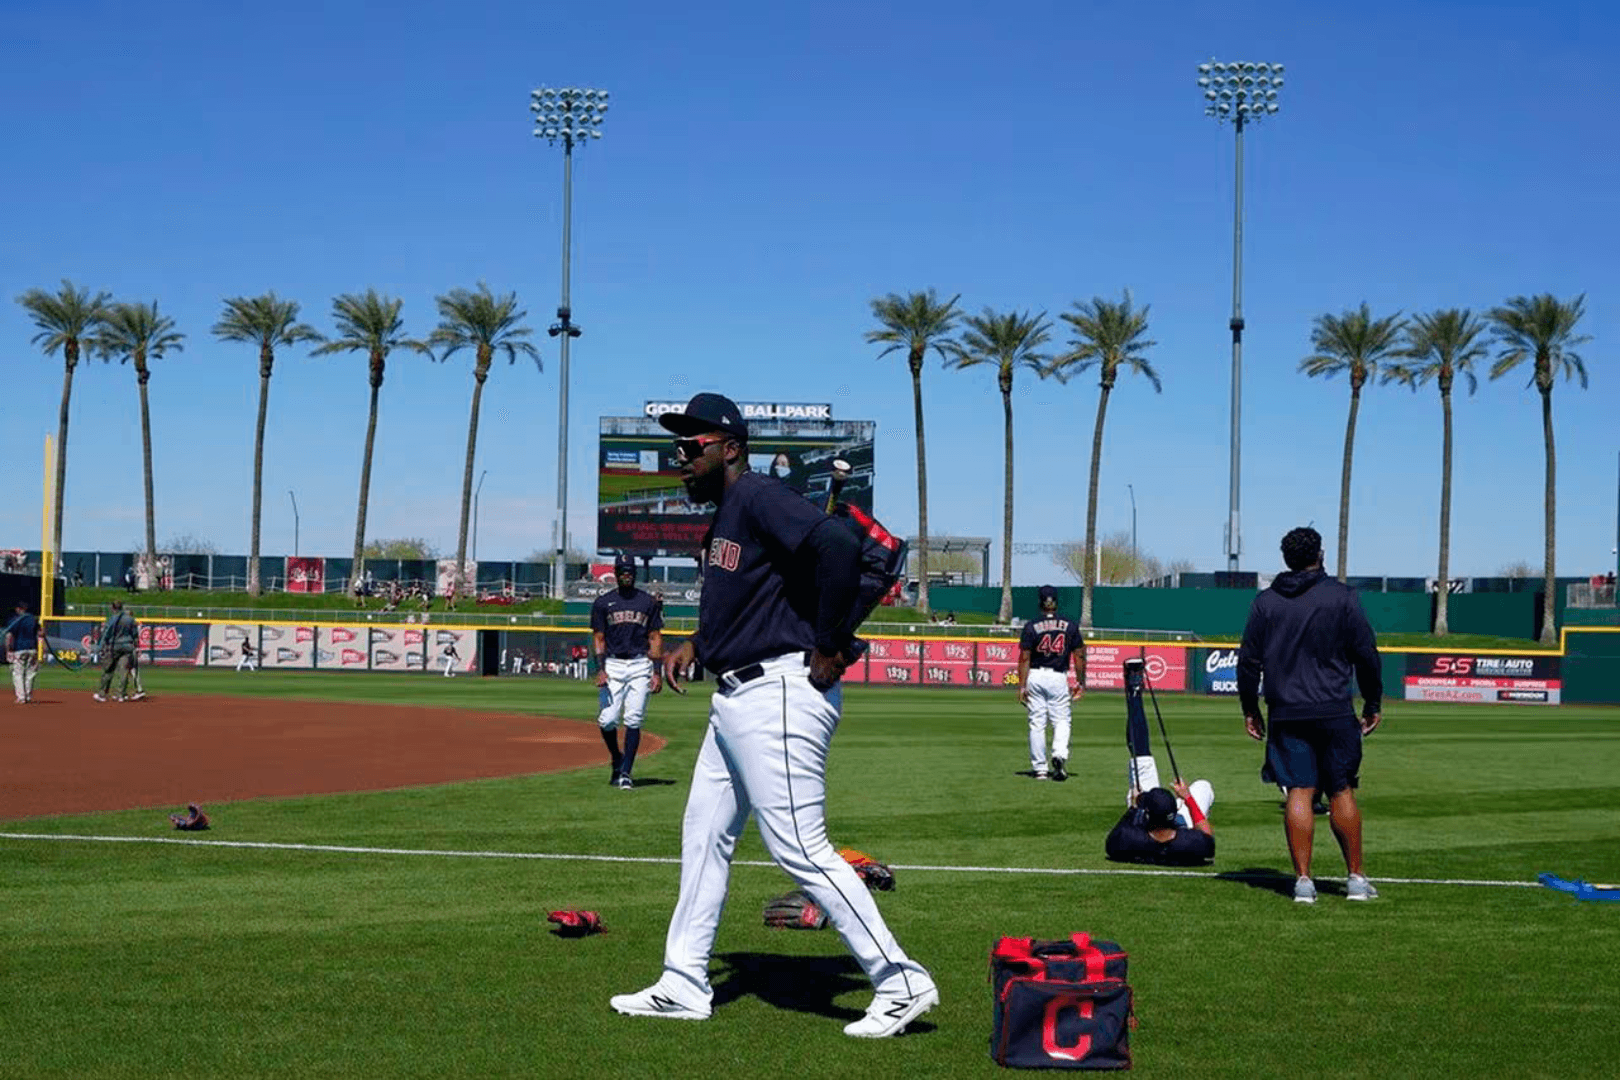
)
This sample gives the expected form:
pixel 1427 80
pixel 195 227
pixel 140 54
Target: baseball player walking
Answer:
pixel 249 659
pixel 451 659
pixel 1043 682
pixel 627 632
pixel 116 645
pixel 780 583
pixel 22 646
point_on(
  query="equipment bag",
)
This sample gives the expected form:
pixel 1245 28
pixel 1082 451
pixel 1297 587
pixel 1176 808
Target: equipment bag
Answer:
pixel 883 563
pixel 1061 1004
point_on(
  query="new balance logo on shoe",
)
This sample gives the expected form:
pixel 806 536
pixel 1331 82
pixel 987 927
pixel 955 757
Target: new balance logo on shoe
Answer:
pixel 664 1003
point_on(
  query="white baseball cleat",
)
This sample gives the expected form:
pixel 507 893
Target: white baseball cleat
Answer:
pixel 653 1001
pixel 889 1015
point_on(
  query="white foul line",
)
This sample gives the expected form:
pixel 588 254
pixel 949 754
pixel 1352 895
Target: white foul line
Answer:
pixel 668 861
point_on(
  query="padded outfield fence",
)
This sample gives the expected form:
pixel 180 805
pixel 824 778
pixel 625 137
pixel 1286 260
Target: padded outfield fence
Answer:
pixel 1584 669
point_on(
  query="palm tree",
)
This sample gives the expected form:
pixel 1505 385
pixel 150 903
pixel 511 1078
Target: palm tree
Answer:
pixel 137 333
pixel 65 319
pixel 1541 329
pixel 485 323
pixel 1354 343
pixel 1107 335
pixel 1008 340
pixel 369 324
pixel 1441 346
pixel 270 323
pixel 916 323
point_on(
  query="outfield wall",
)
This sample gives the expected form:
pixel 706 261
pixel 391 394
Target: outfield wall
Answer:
pixel 1221 613
pixel 1585 670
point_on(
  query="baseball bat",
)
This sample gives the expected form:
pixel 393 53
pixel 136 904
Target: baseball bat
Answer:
pixel 1174 771
pixel 840 477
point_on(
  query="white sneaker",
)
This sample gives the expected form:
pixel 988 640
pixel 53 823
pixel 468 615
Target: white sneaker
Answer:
pixel 1304 891
pixel 653 1001
pixel 138 695
pixel 889 1015
pixel 99 697
pixel 1359 888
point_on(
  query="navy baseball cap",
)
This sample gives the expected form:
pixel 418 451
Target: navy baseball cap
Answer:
pixel 1046 592
pixel 707 412
pixel 1160 805
pixel 624 561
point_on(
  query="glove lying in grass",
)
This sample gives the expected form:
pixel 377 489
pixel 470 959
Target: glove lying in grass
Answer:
pixel 572 923
pixel 794 911
pixel 192 821
pixel 878 877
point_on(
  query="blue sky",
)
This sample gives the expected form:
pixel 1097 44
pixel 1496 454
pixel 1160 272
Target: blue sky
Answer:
pixel 765 171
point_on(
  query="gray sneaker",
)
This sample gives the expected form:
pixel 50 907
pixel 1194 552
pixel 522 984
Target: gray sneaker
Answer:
pixel 1304 891
pixel 1359 888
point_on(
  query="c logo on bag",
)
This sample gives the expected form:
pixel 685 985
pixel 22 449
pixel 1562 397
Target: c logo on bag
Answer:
pixel 1049 1043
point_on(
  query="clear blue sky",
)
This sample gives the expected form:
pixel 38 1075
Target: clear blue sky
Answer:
pixel 766 170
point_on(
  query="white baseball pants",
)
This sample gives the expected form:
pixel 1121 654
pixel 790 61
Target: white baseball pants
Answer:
pixel 628 684
pixel 1049 703
pixel 24 669
pixel 765 753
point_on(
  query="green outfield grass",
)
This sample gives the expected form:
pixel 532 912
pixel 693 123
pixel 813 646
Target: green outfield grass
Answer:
pixel 161 959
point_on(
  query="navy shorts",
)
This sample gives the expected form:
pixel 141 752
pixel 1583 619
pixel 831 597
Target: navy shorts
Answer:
pixel 1320 754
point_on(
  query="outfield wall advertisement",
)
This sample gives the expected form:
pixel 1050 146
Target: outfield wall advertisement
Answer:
pixel 916 662
pixel 642 507
pixel 1483 679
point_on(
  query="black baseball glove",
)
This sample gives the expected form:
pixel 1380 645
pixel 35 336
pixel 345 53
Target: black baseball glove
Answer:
pixel 794 911
pixel 877 876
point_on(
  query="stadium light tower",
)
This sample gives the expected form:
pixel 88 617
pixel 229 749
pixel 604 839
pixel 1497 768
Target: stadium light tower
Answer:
pixel 570 115
pixel 1242 93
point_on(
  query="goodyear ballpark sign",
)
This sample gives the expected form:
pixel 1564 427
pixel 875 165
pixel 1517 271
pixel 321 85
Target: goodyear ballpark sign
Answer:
pixel 752 410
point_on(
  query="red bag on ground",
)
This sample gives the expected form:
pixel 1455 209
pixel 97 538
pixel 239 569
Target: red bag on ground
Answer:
pixel 1061 1004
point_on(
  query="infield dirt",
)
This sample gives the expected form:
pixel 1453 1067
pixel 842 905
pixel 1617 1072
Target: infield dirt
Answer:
pixel 66 753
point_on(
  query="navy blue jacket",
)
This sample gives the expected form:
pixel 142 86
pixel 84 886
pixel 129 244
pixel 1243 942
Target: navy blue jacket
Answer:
pixel 1308 634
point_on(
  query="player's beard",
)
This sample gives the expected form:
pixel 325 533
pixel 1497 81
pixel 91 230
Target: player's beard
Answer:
pixel 706 488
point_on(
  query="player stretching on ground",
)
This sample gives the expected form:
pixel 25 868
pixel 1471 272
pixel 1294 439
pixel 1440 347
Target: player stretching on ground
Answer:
pixel 780 589
pixel 626 630
pixel 1043 682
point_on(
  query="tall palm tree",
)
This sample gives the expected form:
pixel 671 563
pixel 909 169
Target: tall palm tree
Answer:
pixel 1108 335
pixel 487 324
pixel 1541 329
pixel 1441 346
pixel 1354 343
pixel 270 323
pixel 368 323
pixel 136 333
pixel 65 320
pixel 1008 341
pixel 916 323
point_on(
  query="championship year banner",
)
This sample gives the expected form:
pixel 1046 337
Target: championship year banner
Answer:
pixel 1166 666
pixel 1491 680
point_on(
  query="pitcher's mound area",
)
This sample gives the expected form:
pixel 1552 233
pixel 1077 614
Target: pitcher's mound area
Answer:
pixel 68 754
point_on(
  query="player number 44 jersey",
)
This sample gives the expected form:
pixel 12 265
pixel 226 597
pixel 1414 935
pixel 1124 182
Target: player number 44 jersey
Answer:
pixel 1050 641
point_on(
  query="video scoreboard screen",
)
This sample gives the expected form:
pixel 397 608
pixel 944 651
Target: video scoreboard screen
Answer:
pixel 643 509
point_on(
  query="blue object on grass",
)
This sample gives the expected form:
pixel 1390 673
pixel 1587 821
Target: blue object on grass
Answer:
pixel 1580 890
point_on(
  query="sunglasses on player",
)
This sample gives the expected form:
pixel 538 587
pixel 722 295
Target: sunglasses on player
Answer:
pixel 691 447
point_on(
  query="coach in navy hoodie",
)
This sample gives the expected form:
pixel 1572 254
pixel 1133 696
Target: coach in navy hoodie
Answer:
pixel 1307 634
